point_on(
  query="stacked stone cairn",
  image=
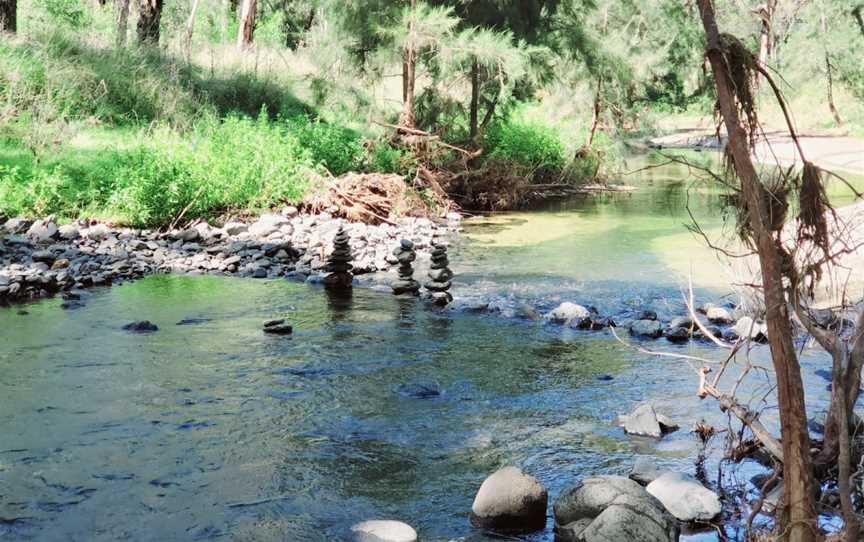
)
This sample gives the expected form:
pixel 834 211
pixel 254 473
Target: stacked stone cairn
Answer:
pixel 440 276
pixel 406 283
pixel 339 267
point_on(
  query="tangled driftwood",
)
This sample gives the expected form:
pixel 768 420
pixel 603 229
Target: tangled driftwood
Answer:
pixel 377 197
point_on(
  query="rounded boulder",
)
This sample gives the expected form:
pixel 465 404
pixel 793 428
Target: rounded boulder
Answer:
pixel 510 501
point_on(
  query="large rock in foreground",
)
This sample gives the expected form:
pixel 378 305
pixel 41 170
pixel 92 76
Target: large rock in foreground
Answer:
pixel 383 531
pixel 510 501
pixel 611 509
pixel 568 313
pixel 684 497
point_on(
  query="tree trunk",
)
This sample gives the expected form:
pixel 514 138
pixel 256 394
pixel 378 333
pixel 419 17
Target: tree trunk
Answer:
pixel 766 33
pixel 475 99
pixel 247 23
pixel 122 7
pixel 190 25
pixel 800 516
pixel 831 105
pixel 409 74
pixel 9 16
pixel 595 114
pixel 149 19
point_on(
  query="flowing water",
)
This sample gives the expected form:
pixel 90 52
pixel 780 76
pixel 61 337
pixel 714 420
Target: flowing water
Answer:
pixel 209 430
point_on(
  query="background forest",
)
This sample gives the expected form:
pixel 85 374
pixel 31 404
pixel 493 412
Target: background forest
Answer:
pixel 141 111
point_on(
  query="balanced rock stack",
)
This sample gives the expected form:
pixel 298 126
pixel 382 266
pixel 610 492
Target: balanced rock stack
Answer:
pixel 440 274
pixel 339 263
pixel 406 283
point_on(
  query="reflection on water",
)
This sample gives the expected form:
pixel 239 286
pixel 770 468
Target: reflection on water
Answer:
pixel 213 430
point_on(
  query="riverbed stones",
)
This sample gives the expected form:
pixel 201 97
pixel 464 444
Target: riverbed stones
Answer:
pixel 405 254
pixel 611 508
pixel 383 531
pixel 439 274
pixel 510 501
pixel 42 231
pixel 685 497
pixel 278 326
pixel 568 313
pixel 338 266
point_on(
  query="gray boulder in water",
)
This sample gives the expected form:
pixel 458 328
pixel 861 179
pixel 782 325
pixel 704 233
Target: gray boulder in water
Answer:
pixel 685 497
pixel 567 313
pixel 611 508
pixel 510 501
pixel 383 531
pixel 646 328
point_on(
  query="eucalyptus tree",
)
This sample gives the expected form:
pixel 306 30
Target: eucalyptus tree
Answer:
pixel 149 21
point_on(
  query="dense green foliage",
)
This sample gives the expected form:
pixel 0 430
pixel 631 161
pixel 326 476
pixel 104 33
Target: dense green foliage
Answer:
pixel 143 134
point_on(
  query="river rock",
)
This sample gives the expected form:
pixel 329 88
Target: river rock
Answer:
pixel 717 314
pixel 17 225
pixel 141 326
pixel 383 531
pixel 677 334
pixel 567 313
pixel 641 422
pixel 611 509
pixel 510 501
pixel 420 390
pixel 68 232
pixel 42 231
pixel 278 327
pixel 439 274
pixel 644 471
pixel 646 328
pixel 746 327
pixel 685 497
pixel 646 315
pixel 96 232
pixel 44 256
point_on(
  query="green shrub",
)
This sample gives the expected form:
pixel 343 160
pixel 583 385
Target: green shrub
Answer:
pixel 238 163
pixel 338 149
pixel 526 144
pixel 383 158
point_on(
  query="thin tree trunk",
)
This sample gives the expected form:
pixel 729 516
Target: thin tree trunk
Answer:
pixel 246 31
pixel 9 16
pixel 409 73
pixel 122 9
pixel 766 32
pixel 475 99
pixel 800 524
pixel 831 105
pixel 149 19
pixel 190 25
pixel 595 114
pixel 859 17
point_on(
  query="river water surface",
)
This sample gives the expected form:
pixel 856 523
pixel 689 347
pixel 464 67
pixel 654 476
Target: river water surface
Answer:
pixel 210 430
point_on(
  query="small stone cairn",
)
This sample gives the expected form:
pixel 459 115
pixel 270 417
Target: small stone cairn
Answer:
pixel 406 283
pixel 440 276
pixel 339 263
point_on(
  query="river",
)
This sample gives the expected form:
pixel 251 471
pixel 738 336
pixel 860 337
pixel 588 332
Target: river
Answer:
pixel 210 430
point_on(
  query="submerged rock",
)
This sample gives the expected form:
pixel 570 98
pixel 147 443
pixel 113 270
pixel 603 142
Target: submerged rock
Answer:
pixel 685 497
pixel 611 508
pixel 420 390
pixel 510 501
pixel 141 326
pixel 278 327
pixel 717 314
pixel 383 531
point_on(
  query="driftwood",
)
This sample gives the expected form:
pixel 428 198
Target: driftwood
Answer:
pixel 747 416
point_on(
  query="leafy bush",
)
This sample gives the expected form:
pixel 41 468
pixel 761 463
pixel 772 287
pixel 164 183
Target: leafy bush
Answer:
pixel 526 144
pixel 231 164
pixel 338 149
pixel 383 158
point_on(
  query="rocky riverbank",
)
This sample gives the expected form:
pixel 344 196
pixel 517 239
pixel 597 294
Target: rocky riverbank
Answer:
pixel 41 258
